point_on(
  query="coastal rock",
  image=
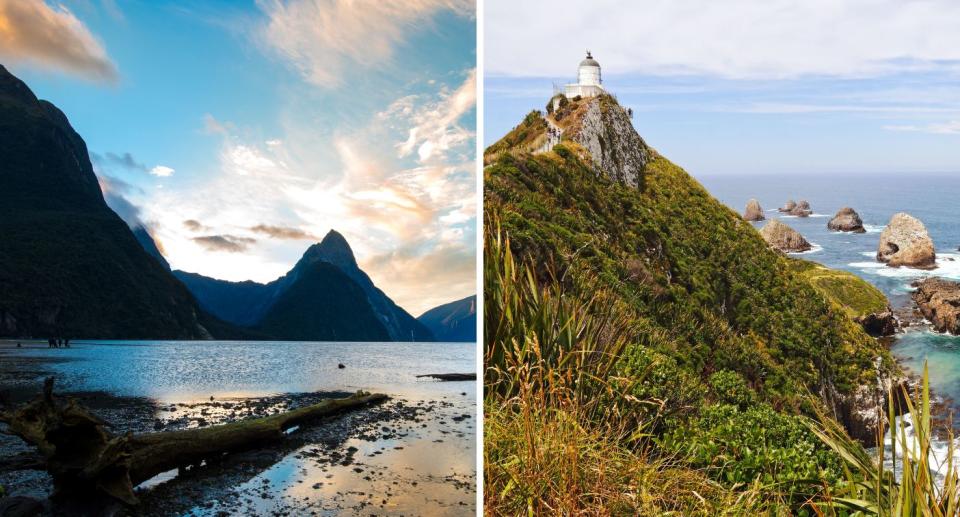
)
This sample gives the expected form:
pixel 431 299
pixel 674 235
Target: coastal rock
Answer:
pixel 864 412
pixel 846 220
pixel 939 301
pixel 606 132
pixel 753 212
pixel 879 324
pixel 905 242
pixel 802 209
pixel 20 506
pixel 781 237
pixel 787 207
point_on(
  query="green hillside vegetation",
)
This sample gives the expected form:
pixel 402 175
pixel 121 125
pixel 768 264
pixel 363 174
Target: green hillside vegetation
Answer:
pixel 857 296
pixel 527 136
pixel 706 346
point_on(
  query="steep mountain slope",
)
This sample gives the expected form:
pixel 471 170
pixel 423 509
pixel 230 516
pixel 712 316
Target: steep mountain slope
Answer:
pixel 455 321
pixel 260 306
pixel 149 245
pixel 241 303
pixel 70 266
pixel 335 250
pixel 701 286
pixel 323 305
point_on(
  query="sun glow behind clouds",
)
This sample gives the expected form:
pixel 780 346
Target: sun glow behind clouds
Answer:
pixel 300 116
pixel 410 219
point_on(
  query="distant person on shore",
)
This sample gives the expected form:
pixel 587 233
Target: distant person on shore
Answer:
pixel 51 343
pixel 66 343
pixel 19 345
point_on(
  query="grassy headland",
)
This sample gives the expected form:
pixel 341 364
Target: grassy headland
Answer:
pixel 646 351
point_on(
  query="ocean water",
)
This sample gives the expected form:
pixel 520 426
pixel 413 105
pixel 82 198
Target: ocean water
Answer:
pixel 178 371
pixel 932 198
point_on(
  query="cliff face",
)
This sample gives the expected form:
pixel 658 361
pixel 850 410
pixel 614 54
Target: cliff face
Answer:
pixel 69 266
pixel 605 131
pixel 699 281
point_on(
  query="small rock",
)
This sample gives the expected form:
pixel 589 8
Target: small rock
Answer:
pixel 781 237
pixel 753 211
pixel 939 301
pixel 20 506
pixel 846 220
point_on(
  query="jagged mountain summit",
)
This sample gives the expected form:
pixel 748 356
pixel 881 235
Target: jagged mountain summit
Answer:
pixel 69 266
pixel 455 321
pixel 325 296
pixel 605 212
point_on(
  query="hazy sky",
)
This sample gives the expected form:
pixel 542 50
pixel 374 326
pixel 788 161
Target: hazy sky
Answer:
pixel 241 132
pixel 747 86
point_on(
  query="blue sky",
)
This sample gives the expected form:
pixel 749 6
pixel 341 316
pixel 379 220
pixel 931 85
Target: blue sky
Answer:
pixel 777 87
pixel 241 132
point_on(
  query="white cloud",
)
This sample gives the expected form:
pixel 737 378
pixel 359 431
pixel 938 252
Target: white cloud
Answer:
pixel 162 171
pixel 420 213
pixel 773 39
pixel 435 125
pixel 323 38
pixel 939 128
pixel 33 32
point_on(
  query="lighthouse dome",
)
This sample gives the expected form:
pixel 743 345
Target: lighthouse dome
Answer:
pixel 589 61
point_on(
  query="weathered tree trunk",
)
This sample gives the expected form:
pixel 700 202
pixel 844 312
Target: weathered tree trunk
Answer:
pixel 82 456
pixel 451 376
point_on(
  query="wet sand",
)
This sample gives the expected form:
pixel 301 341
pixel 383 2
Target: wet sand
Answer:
pixel 408 456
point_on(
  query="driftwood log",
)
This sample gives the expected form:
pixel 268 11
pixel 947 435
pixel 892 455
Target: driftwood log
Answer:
pixel 84 458
pixel 451 376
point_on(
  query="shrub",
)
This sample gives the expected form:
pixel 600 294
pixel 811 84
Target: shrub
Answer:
pixel 730 388
pixel 757 444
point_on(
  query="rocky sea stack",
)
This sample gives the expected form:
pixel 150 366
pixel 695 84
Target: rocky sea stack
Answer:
pixel 905 242
pixel 846 220
pixel 939 301
pixel 787 207
pixel 802 209
pixel 753 212
pixel 781 237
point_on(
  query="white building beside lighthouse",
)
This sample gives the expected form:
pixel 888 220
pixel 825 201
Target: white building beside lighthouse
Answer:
pixel 589 82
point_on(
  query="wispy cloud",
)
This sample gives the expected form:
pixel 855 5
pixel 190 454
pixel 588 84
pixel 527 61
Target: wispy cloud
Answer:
pixel 284 232
pixel 195 226
pixel 115 193
pixel 774 39
pixel 162 171
pixel 939 128
pixel 322 39
pixel 127 162
pixel 52 37
pixel 361 182
pixel 227 243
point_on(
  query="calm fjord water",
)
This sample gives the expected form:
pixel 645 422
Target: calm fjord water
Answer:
pixel 932 198
pixel 173 371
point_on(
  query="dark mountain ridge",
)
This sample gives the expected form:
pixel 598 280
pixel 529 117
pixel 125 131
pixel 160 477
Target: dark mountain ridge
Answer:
pixel 263 306
pixel 69 266
pixel 455 321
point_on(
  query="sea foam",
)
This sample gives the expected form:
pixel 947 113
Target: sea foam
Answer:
pixel 948 266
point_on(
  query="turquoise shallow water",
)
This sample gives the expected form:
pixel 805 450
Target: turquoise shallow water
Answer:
pixel 876 197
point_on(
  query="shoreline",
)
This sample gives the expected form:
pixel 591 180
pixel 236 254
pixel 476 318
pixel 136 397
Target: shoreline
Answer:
pixel 352 462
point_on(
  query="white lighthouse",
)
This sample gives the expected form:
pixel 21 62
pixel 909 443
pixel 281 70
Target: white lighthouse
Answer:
pixel 589 82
